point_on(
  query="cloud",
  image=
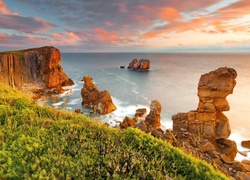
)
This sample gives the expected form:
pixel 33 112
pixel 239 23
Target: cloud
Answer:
pixel 150 35
pixel 129 23
pixel 66 38
pixel 3 8
pixel 24 24
pixel 3 37
pixel 108 23
pixel 170 14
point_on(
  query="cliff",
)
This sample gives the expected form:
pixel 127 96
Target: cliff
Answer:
pixel 37 65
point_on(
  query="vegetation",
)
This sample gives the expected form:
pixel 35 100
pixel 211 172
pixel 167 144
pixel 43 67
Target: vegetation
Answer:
pixel 44 143
pixel 19 53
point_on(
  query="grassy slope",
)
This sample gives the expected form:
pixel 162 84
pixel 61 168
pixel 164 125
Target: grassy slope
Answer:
pixel 41 142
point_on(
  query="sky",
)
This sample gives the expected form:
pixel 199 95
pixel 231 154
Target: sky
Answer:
pixel 126 25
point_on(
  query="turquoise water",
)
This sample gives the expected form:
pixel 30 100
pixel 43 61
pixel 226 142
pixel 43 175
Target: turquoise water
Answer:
pixel 172 79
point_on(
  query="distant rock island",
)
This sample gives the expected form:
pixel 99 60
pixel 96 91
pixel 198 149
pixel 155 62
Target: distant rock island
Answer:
pixel 141 65
pixel 40 66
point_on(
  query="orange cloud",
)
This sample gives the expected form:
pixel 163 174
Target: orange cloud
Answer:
pixel 150 35
pixel 169 14
pixel 65 38
pixel 103 35
pixel 3 8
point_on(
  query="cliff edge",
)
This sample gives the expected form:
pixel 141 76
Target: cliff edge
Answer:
pixel 36 66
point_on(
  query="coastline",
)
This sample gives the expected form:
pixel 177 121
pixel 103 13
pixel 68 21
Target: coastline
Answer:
pixel 114 118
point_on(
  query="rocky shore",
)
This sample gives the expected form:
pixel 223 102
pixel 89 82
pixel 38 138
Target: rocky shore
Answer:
pixel 202 132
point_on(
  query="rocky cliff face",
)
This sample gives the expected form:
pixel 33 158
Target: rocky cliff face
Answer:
pixel 40 65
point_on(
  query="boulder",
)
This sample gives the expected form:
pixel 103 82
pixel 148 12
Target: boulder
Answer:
pixel 140 112
pixel 142 64
pixel 228 148
pixel 92 98
pixel 154 118
pixel 208 120
pixel 128 122
pixel 246 144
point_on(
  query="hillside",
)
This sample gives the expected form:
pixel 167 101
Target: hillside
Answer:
pixel 44 143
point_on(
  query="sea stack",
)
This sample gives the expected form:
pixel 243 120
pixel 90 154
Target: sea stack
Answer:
pixel 37 65
pixel 154 117
pixel 208 120
pixel 142 65
pixel 92 98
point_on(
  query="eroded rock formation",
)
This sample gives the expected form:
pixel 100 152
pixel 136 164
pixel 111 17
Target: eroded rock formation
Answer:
pixel 154 116
pixel 100 102
pixel 208 120
pixel 142 64
pixel 37 65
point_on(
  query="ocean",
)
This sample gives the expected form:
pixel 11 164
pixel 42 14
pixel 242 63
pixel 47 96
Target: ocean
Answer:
pixel 172 79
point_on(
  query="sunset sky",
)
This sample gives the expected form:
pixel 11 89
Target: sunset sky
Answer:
pixel 126 25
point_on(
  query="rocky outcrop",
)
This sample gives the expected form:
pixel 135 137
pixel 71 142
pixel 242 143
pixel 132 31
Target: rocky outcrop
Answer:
pixel 154 117
pixel 208 120
pixel 152 120
pixel 142 64
pixel 130 122
pixel 37 65
pixel 246 144
pixel 92 98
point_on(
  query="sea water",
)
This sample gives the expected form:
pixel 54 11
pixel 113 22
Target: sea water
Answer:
pixel 172 79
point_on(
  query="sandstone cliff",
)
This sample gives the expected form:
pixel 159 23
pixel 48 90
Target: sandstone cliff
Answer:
pixel 40 65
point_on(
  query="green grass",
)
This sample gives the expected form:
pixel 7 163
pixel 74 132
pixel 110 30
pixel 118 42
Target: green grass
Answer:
pixel 44 143
pixel 19 53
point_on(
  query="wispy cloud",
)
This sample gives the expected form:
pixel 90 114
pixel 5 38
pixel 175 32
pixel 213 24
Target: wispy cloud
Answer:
pixel 128 23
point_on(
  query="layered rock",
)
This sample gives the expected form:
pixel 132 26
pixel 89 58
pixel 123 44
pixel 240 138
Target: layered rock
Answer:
pixel 154 117
pixel 37 65
pixel 208 120
pixel 99 101
pixel 142 64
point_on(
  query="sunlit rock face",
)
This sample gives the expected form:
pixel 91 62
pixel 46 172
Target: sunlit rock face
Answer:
pixel 36 65
pixel 154 116
pixel 92 98
pixel 208 120
pixel 142 64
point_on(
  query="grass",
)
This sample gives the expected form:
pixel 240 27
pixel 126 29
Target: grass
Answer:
pixel 45 143
pixel 19 53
